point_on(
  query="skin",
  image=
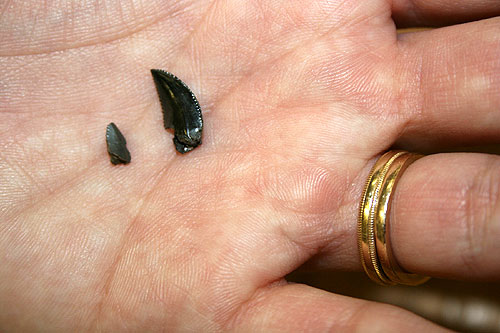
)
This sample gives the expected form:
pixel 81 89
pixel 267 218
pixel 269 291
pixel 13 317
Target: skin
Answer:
pixel 299 99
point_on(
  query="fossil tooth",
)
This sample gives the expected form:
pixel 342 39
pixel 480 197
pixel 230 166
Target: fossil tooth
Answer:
pixel 117 145
pixel 181 110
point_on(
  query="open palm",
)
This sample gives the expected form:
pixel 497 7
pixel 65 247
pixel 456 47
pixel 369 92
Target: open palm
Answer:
pixel 298 100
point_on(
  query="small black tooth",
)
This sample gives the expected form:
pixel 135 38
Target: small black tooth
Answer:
pixel 117 145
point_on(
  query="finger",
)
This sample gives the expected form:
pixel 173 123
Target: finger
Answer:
pixel 441 12
pixel 445 218
pixel 449 89
pixel 299 308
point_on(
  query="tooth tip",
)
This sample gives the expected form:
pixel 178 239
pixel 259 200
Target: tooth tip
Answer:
pixel 156 72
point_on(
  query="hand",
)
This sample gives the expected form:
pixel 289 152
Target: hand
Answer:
pixel 299 99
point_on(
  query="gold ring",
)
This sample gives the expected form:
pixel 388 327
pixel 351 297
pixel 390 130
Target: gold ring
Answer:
pixel 374 243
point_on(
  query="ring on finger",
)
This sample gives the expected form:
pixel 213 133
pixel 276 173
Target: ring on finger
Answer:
pixel 374 242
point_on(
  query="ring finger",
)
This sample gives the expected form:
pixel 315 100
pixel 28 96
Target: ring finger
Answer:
pixel 446 217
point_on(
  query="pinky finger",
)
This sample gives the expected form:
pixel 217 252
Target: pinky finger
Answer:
pixel 300 308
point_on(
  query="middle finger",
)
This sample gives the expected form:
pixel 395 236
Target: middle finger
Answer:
pixel 449 86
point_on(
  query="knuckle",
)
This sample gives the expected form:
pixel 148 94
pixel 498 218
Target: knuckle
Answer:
pixel 300 190
pixel 307 196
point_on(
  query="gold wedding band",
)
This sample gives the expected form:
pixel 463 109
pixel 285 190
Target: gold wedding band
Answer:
pixel 374 243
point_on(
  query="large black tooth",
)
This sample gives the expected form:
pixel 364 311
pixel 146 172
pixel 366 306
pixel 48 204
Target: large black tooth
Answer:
pixel 181 110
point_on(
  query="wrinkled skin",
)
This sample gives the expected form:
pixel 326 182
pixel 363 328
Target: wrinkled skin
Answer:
pixel 299 99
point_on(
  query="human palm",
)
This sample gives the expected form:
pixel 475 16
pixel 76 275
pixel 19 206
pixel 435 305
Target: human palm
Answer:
pixel 298 100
